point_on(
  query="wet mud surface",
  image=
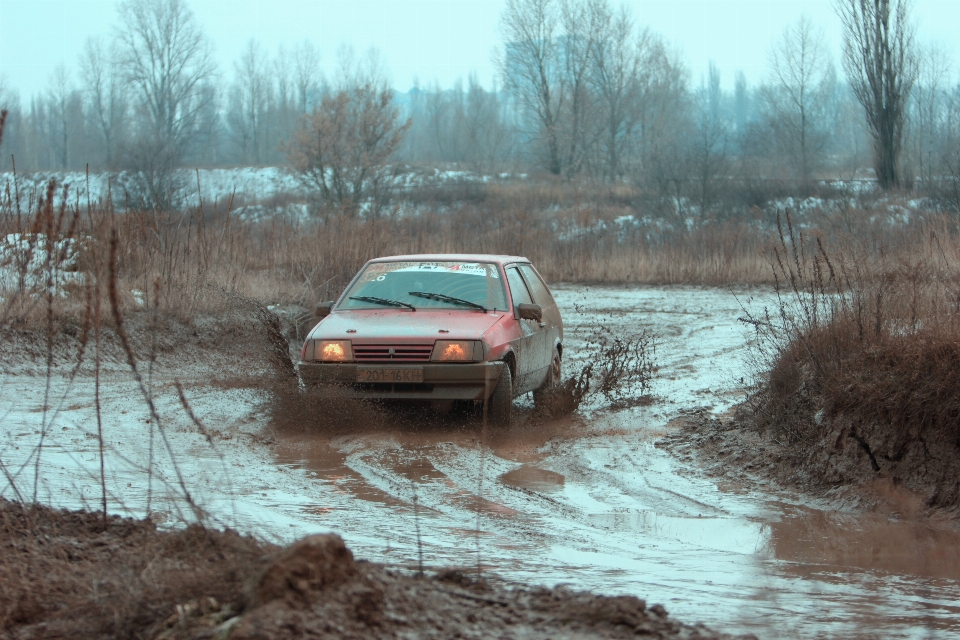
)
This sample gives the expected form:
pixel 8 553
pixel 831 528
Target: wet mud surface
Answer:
pixel 193 583
pixel 587 500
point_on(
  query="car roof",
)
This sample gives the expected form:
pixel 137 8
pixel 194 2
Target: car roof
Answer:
pixel 465 257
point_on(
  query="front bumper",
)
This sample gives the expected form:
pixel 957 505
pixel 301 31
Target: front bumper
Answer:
pixel 474 381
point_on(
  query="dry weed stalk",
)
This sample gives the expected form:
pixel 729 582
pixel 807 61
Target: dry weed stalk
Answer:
pixel 871 334
pixel 132 362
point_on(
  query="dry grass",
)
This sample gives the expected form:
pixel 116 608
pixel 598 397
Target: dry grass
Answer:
pixel 865 347
pixel 179 257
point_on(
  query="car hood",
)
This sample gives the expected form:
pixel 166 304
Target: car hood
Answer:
pixel 375 326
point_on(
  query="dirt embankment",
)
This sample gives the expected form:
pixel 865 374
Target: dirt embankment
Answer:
pixel 66 574
pixel 855 464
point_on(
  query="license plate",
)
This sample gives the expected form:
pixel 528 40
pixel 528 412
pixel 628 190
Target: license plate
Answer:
pixel 377 374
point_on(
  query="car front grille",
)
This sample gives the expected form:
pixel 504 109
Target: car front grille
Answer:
pixel 392 353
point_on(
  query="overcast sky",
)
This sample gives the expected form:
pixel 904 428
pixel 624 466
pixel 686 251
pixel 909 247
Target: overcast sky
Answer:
pixel 428 40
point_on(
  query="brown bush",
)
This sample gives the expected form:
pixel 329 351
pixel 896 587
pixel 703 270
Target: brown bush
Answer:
pixel 865 349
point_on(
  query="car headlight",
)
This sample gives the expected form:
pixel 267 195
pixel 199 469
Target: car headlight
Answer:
pixel 457 351
pixel 330 351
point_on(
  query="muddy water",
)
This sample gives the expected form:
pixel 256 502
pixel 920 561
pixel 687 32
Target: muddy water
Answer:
pixel 587 500
pixel 590 501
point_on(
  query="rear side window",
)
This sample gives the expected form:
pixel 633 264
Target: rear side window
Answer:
pixel 541 295
pixel 517 287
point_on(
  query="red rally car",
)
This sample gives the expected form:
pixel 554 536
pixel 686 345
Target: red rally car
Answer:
pixel 440 328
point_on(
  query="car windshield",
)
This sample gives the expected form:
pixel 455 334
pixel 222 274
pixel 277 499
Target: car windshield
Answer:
pixel 469 286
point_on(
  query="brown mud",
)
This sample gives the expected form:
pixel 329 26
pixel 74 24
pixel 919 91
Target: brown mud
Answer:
pixel 74 574
pixel 840 466
pixel 584 497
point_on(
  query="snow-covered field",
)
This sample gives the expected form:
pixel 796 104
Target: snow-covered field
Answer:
pixel 255 192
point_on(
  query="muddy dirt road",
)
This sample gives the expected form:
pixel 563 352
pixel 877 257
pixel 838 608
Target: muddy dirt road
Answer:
pixel 586 500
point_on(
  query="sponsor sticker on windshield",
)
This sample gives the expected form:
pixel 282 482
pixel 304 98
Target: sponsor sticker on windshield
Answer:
pixel 379 270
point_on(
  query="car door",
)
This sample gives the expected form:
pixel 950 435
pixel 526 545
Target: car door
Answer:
pixel 551 326
pixel 532 343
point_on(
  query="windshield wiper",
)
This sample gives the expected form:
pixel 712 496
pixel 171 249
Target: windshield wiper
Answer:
pixel 441 297
pixel 384 301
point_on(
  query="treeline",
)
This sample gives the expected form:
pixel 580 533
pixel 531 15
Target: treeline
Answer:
pixel 584 91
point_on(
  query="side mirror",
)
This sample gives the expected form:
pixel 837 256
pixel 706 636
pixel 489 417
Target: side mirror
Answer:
pixel 323 309
pixel 530 311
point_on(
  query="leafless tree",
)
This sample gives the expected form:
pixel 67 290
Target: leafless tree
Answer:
pixel 105 95
pixel 879 60
pixel 660 161
pixel 929 107
pixel 65 110
pixel 250 101
pixel 619 77
pixel 581 23
pixel 546 66
pixel 795 97
pixel 530 70
pixel 306 76
pixel 951 149
pixel 741 102
pixel 166 58
pixel 487 133
pixel 343 147
pixel 366 71
pixel 709 152
pixel 13 126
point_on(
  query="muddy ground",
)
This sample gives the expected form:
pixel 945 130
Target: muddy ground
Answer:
pixel 842 474
pixel 70 575
pixel 589 500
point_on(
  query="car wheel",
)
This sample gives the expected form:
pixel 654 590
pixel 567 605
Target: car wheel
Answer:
pixel 554 379
pixel 500 402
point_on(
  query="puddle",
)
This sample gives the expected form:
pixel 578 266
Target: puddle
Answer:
pixel 534 479
pixel 826 541
pixel 476 504
pixel 328 465
pixel 722 534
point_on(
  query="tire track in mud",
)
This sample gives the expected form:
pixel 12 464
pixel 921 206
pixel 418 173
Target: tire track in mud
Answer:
pixel 612 512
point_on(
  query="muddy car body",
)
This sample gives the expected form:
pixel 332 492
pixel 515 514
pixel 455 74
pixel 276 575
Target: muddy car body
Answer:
pixel 438 328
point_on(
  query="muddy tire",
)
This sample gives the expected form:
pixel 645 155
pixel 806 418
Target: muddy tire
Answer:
pixel 543 395
pixel 500 402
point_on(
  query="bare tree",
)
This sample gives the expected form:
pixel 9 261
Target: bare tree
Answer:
pixel 104 95
pixel 343 147
pixel 951 149
pixel 306 76
pixel 65 110
pixel 487 133
pixel 530 70
pixel 796 98
pixel 167 59
pixel 581 23
pixel 660 160
pixel 617 73
pixel 878 58
pixel 14 133
pixel 741 102
pixel 709 143
pixel 250 100
pixel 927 128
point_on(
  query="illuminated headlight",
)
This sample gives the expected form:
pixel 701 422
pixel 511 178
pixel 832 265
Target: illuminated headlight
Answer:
pixel 328 351
pixel 457 351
